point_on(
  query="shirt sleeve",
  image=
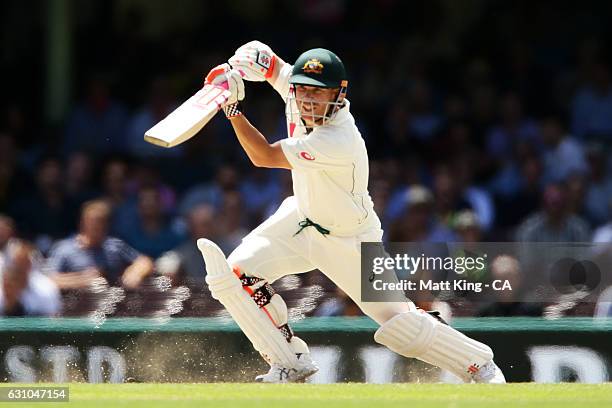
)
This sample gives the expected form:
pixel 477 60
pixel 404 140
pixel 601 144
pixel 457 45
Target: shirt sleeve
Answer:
pixel 281 85
pixel 56 262
pixel 126 252
pixel 319 151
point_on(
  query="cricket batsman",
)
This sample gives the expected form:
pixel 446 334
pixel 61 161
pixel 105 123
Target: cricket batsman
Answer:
pixel 320 227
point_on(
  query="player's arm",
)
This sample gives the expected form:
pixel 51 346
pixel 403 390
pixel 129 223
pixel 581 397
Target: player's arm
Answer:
pixel 289 153
pixel 260 152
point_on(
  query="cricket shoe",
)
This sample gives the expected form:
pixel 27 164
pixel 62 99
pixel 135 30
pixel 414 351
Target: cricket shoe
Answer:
pixel 489 373
pixel 279 374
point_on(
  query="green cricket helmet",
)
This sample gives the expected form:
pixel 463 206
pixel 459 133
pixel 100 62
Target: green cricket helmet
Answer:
pixel 321 68
pixel 318 67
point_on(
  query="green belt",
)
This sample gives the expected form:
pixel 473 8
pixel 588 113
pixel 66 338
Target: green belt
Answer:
pixel 308 223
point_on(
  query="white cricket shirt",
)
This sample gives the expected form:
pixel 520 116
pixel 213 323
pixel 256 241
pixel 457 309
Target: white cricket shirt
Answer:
pixel 330 170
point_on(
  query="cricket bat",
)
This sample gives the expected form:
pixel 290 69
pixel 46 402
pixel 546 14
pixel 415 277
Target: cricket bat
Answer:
pixel 187 120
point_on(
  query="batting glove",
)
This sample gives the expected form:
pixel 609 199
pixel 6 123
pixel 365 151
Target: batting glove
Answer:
pixel 255 59
pixel 215 73
pixel 230 79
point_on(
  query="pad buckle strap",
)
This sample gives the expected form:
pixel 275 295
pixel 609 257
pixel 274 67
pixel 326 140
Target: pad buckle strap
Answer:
pixel 249 280
pixel 286 331
pixel 263 295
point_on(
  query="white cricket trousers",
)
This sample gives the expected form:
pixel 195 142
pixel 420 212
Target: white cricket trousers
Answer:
pixel 273 250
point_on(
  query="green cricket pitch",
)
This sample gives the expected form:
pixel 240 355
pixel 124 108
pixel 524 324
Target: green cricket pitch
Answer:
pixel 136 395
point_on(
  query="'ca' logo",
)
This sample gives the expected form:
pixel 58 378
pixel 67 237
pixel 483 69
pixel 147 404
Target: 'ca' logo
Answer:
pixel 306 155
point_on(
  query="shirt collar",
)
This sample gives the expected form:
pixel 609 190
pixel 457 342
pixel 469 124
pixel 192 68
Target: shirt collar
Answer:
pixel 343 113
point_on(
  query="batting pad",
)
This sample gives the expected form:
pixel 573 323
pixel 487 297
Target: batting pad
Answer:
pixel 226 288
pixel 416 334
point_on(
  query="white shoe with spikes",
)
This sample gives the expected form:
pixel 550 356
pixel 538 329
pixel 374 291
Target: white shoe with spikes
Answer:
pixel 489 373
pixel 278 374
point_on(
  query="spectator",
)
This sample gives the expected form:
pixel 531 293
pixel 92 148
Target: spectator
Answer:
pixel 515 207
pixel 79 178
pixel 418 222
pixel 563 155
pixel 477 198
pixel 592 105
pixel 226 179
pixel 513 128
pixel 380 191
pixel 576 188
pixel 397 128
pixel 483 101
pixel 423 121
pixel 448 194
pixel 47 214
pixel 231 222
pixel 14 181
pixel 457 137
pixel 151 233
pixel 98 123
pixel 468 227
pixel 338 305
pixel 598 199
pixel 400 177
pixel 158 106
pixel 7 230
pixel 77 261
pixel 507 268
pixel 147 176
pixel 603 234
pixel 262 189
pixel 285 190
pixel 24 290
pixel 124 192
pixel 184 264
pixel 7 234
pixel 115 182
pixel 554 223
pixel 115 186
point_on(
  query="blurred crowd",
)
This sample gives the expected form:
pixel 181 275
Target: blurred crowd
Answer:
pixel 468 141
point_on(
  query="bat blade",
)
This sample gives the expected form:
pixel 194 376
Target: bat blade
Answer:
pixel 187 120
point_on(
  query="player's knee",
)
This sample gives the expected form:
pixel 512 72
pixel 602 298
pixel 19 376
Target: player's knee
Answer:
pixel 409 334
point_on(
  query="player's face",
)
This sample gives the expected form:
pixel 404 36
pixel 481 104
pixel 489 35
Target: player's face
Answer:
pixel 313 103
